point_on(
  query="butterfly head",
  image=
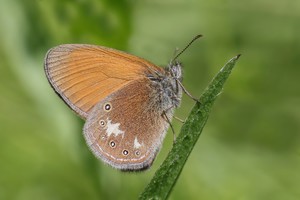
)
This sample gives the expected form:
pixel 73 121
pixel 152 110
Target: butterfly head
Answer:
pixel 175 70
pixel 167 88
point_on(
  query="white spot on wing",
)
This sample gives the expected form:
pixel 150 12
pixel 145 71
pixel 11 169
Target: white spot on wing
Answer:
pixel 136 143
pixel 114 129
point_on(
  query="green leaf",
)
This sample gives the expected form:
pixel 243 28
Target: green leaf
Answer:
pixel 168 173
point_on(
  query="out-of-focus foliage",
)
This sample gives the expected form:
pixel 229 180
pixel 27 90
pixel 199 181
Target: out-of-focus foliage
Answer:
pixel 250 146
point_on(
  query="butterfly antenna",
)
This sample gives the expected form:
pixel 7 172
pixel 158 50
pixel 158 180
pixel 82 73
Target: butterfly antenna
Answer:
pixel 187 46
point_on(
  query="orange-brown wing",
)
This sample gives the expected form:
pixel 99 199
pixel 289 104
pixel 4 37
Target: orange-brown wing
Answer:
pixel 83 75
pixel 126 129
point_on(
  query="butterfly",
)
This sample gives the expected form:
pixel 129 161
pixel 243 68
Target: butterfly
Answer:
pixel 127 101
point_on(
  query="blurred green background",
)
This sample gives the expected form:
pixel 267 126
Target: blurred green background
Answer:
pixel 250 146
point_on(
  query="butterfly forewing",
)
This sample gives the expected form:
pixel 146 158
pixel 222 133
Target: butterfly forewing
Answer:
pixel 124 129
pixel 83 75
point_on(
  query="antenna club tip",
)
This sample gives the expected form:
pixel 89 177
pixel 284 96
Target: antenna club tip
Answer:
pixel 198 36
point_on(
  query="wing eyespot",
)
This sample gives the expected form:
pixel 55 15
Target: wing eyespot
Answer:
pixel 125 152
pixel 102 123
pixel 107 107
pixel 112 144
pixel 103 137
pixel 137 153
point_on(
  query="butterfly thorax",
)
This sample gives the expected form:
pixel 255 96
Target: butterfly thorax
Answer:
pixel 168 91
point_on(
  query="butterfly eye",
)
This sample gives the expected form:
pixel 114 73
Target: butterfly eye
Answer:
pixel 125 152
pixel 102 123
pixel 112 144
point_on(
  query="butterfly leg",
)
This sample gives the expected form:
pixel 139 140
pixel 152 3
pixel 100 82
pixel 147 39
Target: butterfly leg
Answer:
pixel 186 92
pixel 177 118
pixel 169 122
pixel 181 120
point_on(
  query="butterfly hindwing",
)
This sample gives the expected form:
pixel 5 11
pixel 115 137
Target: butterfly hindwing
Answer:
pixel 124 129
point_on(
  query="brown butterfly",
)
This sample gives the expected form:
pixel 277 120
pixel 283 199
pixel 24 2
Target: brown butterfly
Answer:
pixel 127 102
